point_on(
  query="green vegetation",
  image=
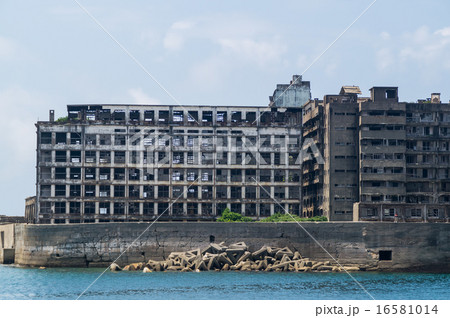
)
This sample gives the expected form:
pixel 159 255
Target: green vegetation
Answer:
pixel 278 217
pixel 62 119
pixel 228 216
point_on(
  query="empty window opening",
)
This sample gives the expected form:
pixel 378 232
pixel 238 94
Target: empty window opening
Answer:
pixel 119 174
pixel 104 208
pixel 207 192
pixel 192 116
pixel 75 138
pixel 192 208
pixel 119 140
pixel 221 117
pixel 89 191
pixel 221 175
pixel 177 209
pixel 60 190
pixel 391 93
pixel 105 140
pixel 46 138
pixel 119 208
pixel 149 116
pixel 385 255
pixel 163 116
pixel 133 208
pixel 119 115
pixel 134 115
pixel 207 117
pixel 89 208
pixel 60 173
pixel 178 116
pixel 221 192
pixel 105 157
pixel 75 156
pixel 104 114
pixel 60 156
pixel 61 138
pixel 75 190
pixel 192 192
pixel 90 139
pixel 119 191
pixel 236 117
pixel 149 208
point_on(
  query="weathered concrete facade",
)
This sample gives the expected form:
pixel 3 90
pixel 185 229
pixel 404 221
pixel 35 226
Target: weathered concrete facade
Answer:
pixel 383 158
pixel 7 243
pixel 387 246
pixel 122 163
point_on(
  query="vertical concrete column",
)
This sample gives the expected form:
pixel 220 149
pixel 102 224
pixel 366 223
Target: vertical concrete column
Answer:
pixel 97 211
pixel 67 211
pixel 127 114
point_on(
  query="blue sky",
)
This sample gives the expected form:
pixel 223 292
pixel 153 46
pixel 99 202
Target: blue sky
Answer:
pixel 204 52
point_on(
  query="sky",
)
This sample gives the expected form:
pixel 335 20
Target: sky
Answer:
pixel 203 53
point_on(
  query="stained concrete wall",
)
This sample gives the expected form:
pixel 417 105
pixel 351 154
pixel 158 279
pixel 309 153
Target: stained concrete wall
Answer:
pixel 7 243
pixel 414 246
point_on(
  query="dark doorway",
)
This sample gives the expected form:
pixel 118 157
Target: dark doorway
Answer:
pixel 385 255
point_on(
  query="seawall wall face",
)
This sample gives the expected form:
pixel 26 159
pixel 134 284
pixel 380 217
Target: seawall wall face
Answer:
pixel 7 235
pixel 422 246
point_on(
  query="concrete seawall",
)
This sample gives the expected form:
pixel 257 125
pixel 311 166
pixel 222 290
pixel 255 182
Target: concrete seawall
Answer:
pixel 422 247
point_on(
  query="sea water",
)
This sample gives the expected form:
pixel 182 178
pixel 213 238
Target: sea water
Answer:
pixel 69 283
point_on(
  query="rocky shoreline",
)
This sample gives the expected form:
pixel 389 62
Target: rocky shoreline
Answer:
pixel 237 257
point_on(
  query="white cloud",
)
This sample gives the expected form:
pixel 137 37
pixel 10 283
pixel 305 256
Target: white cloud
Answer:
pixel 7 48
pixel 385 35
pixel 177 34
pixel 209 72
pixel 260 52
pixel 139 97
pixel 385 58
pixel 445 32
pixel 423 48
pixel 426 47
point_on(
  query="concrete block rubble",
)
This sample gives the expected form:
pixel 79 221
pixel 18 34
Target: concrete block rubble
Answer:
pixel 236 257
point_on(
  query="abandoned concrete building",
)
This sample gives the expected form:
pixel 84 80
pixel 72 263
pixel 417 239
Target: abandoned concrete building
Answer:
pixel 383 160
pixel 378 160
pixel 137 162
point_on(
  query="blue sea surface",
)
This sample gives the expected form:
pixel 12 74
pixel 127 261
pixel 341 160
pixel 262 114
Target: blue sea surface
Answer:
pixel 69 283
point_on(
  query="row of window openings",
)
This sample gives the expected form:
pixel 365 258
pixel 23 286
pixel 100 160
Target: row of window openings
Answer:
pixel 382 142
pixel 428 145
pixel 163 207
pixel 379 170
pixel 391 212
pixel 382 156
pixel 381 198
pixel 344 114
pixel 427 117
pixel 236 175
pixel 427 173
pixel 382 127
pixel 264 158
pixel 177 191
pixel 428 159
pixel 427 131
pixel 177 141
pixel 340 128
pixel 393 113
pixel 177 116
